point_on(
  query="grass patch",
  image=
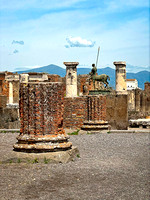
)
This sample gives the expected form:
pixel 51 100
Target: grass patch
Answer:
pixel 46 161
pixel 13 132
pixel 3 131
pixel 89 133
pixel 35 161
pixel 74 133
pixel 19 160
pixel 78 155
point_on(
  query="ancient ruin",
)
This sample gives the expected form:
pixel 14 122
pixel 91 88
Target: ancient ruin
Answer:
pixel 71 79
pixel 115 107
pixel 41 117
pixel 121 86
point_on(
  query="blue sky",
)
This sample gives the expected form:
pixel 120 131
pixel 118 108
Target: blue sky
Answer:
pixel 42 32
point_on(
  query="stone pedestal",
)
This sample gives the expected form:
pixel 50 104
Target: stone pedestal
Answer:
pixel 121 86
pixel 71 79
pixel 96 114
pixel 41 118
pixel 96 107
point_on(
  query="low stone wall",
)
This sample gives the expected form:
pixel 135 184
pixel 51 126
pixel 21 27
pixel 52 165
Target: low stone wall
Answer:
pixel 9 118
pixel 117 111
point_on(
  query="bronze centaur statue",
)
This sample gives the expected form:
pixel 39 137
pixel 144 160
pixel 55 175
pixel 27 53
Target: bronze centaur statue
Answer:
pixel 101 78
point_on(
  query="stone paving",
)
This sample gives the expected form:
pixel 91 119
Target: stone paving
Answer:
pixel 110 166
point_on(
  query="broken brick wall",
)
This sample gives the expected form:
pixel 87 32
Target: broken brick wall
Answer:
pixel 80 109
pixel 74 112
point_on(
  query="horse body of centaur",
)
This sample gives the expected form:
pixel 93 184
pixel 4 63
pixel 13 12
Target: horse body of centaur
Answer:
pixel 101 78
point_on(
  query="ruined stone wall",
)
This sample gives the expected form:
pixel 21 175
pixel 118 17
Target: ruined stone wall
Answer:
pixel 147 99
pixel 54 78
pixel 74 112
pixel 83 85
pixel 4 86
pixel 9 118
pixel 147 87
pixel 3 101
pixel 41 108
pixel 139 102
pixel 117 111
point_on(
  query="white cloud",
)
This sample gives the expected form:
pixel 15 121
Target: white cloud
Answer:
pixel 78 42
pixel 18 42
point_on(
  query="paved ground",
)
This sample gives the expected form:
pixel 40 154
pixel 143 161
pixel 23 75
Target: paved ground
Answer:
pixel 110 167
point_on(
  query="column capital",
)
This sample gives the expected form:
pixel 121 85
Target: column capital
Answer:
pixel 119 63
pixel 71 64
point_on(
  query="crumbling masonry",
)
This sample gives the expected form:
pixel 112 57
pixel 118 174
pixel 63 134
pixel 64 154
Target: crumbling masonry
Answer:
pixel 41 118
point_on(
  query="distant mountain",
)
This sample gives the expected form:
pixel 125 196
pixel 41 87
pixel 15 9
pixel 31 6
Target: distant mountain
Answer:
pixel 141 76
pixel 50 69
pixel 132 68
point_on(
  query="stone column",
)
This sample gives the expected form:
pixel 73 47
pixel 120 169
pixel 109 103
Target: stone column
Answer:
pixel 41 118
pixel 10 92
pixel 121 86
pixel 71 79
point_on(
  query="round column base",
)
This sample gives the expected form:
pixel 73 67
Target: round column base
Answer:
pixel 42 143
